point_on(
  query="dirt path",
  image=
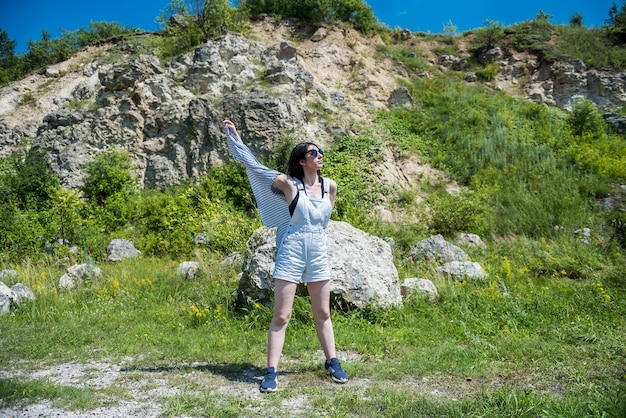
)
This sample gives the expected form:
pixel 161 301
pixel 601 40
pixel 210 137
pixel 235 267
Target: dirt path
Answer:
pixel 128 391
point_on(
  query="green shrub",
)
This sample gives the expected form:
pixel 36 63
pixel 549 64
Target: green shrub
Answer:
pixel 585 121
pixel 457 213
pixel 355 12
pixel 533 34
pixel 110 173
pixel 488 72
pixel 28 181
pixel 170 221
pixel 228 184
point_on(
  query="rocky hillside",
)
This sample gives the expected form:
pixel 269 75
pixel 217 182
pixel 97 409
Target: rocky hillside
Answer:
pixel 283 79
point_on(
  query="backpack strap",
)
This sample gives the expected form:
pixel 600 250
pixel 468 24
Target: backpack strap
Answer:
pixel 294 202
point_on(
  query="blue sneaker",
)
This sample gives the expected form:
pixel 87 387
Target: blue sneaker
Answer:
pixel 270 381
pixel 336 372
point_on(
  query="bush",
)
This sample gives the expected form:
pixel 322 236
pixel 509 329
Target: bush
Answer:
pixel 352 163
pixel 28 181
pixel 229 184
pixel 457 213
pixel 488 72
pixel 170 221
pixel 585 121
pixel 356 12
pixel 108 174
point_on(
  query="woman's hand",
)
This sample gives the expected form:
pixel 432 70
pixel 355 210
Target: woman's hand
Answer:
pixel 231 127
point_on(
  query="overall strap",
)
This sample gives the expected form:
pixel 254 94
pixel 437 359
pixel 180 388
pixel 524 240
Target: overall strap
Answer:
pixel 300 185
pixel 325 186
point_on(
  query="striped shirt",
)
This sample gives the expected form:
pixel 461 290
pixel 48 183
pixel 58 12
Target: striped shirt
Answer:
pixel 270 200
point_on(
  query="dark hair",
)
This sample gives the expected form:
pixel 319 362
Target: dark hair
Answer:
pixel 294 169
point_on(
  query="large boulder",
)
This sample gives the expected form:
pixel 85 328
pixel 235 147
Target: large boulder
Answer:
pixel 362 269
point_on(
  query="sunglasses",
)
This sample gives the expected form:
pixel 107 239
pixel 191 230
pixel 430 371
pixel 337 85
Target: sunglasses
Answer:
pixel 315 152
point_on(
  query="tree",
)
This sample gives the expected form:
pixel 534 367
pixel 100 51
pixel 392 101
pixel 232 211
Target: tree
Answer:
pixel 610 21
pixel 576 20
pixel 617 24
pixel 213 16
pixel 7 46
pixel 490 35
pixel 9 62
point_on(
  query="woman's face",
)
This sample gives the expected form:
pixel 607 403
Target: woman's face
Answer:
pixel 313 158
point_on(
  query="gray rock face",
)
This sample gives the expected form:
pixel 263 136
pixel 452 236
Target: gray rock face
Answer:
pixel 168 117
pixel 562 83
pixel 362 269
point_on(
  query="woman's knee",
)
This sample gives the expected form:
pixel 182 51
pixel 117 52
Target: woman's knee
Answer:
pixel 280 320
pixel 321 315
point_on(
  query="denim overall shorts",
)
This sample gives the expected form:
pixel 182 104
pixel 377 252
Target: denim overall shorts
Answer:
pixel 302 253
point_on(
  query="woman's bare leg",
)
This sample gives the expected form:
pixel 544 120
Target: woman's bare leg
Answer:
pixel 284 293
pixel 320 303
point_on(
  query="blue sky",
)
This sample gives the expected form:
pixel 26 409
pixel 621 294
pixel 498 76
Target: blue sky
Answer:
pixel 25 19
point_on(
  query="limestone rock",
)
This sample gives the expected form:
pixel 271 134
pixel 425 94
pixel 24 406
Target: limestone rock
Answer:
pixel 362 269
pixel 412 286
pixel 460 270
pixel 188 269
pixel 77 274
pixel 438 249
pixel 119 249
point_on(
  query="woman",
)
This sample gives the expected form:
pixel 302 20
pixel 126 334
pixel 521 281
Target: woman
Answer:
pixel 299 205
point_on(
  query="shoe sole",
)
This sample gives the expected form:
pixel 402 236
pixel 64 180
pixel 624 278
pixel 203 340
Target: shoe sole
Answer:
pixel 338 380
pixel 267 390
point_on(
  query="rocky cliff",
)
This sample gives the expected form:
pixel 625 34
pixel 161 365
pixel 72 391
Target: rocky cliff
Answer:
pixel 168 115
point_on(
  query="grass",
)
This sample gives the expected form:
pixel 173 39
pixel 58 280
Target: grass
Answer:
pixel 522 343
